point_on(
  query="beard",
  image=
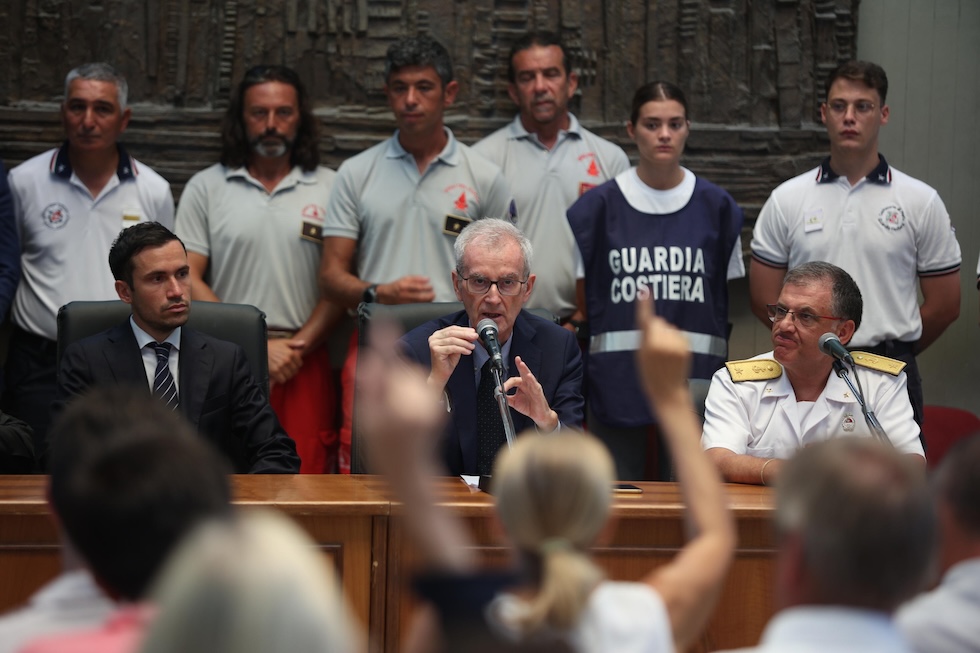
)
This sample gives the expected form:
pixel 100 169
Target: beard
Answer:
pixel 272 146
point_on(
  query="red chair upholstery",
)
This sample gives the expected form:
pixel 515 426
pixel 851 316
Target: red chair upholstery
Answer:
pixel 943 427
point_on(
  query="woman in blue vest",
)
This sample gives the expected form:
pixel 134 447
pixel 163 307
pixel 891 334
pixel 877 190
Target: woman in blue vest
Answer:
pixel 655 228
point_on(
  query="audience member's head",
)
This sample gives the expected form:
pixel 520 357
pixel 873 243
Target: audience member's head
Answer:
pixel 957 494
pixel 252 585
pixel 128 480
pixel 553 497
pixel 856 523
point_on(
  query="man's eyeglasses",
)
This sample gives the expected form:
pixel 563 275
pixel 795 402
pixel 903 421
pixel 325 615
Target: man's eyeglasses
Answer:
pixel 804 319
pixel 861 107
pixel 481 285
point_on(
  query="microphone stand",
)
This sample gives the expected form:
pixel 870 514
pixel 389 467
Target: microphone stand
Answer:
pixel 502 405
pixel 869 415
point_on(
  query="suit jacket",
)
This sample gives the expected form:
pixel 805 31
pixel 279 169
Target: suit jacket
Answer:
pixel 550 352
pixel 218 394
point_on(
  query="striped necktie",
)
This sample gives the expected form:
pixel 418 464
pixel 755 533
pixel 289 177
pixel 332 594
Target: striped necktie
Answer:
pixel 163 381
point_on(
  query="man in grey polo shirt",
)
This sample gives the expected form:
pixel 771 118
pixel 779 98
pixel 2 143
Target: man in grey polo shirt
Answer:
pixel 266 201
pixel 549 160
pixel 396 209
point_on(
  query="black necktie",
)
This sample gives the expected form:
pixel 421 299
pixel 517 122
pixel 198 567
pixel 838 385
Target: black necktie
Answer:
pixel 489 425
pixel 163 381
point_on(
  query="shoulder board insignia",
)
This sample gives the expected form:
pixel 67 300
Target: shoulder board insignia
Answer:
pixel 754 369
pixel 877 362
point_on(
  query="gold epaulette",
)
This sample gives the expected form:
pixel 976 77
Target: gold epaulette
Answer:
pixel 754 369
pixel 876 362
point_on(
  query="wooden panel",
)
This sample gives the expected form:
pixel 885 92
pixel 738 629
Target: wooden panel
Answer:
pixel 355 524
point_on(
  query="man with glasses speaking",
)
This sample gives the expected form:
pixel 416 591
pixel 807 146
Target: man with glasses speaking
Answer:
pixel 542 362
pixel 760 411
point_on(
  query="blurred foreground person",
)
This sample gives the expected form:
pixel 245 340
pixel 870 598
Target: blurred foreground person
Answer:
pixel 856 533
pixel 254 585
pixel 129 479
pixel 554 495
pixel 945 619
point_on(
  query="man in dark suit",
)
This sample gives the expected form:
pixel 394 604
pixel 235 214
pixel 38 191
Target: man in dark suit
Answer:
pixel 216 391
pixel 493 280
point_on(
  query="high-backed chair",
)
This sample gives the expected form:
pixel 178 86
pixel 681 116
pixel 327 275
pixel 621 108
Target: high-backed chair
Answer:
pixel 944 426
pixel 241 324
pixel 406 317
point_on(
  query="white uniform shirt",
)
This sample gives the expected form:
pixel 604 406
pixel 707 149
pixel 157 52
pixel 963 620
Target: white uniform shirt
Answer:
pixel 764 419
pixel 947 619
pixel 545 183
pixel 405 222
pixel 65 233
pixel 885 231
pixel 813 629
pixel 263 248
pixel 619 616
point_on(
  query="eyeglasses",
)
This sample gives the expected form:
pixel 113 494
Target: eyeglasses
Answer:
pixel 861 107
pixel 481 285
pixel 804 319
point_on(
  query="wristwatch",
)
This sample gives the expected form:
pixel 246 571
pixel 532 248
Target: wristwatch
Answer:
pixel 370 295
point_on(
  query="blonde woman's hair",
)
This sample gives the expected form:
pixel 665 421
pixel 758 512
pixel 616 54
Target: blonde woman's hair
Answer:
pixel 553 495
pixel 253 585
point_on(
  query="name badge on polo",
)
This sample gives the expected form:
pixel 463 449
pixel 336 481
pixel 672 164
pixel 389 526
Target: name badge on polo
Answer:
pixel 312 232
pixel 813 220
pixel 131 217
pixel 454 224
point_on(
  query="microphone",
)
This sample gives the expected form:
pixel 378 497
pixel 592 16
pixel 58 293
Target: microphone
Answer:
pixel 831 345
pixel 487 330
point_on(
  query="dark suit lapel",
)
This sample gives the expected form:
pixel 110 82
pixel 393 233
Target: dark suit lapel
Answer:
pixel 123 357
pixel 530 353
pixel 196 363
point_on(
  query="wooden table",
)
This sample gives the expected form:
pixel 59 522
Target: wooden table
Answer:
pixel 354 521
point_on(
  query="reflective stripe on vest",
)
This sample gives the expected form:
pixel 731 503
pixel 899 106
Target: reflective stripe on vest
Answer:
pixel 701 343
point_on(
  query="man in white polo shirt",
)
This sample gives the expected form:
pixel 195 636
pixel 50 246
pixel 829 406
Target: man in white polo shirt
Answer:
pixel 69 204
pixel 252 228
pixel 396 208
pixel 889 231
pixel 549 160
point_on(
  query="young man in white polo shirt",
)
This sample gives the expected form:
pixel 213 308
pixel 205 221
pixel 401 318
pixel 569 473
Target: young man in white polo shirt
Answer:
pixel 889 231
pixel 69 204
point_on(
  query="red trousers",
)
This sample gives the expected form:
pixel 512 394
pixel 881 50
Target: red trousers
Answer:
pixel 305 406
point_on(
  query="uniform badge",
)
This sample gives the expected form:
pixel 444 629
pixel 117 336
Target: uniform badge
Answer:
pixel 892 218
pixel 312 232
pixel 584 187
pixel 454 224
pixel 848 423
pixel 55 215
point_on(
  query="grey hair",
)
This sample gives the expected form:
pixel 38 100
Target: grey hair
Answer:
pixel 493 231
pixel 100 72
pixel 845 295
pixel 421 51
